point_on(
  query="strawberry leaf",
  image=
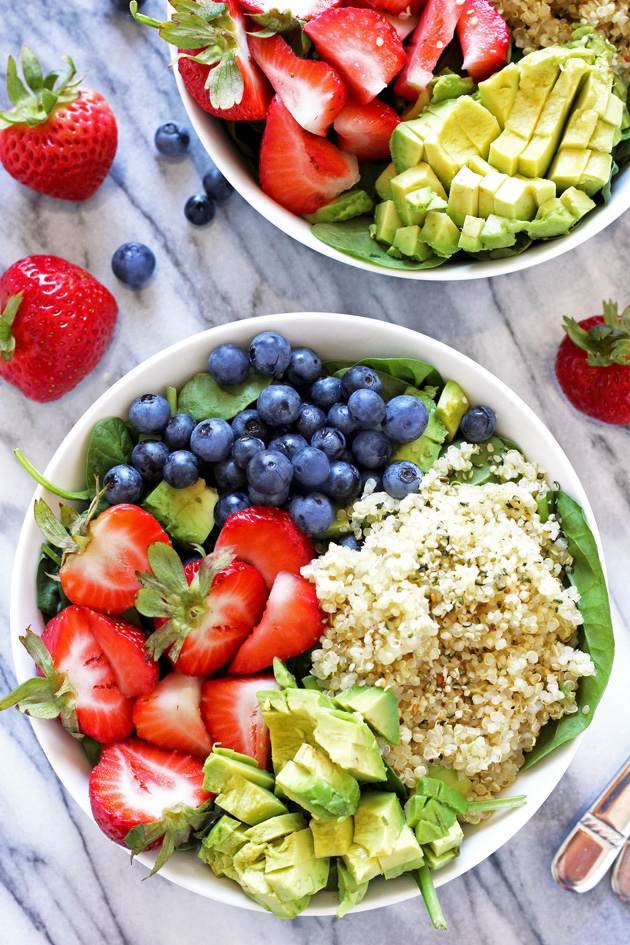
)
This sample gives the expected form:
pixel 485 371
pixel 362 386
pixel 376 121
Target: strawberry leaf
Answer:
pixel 32 70
pixel 15 88
pixel 33 107
pixel 52 529
pixel 225 83
pixel 174 827
pixel 275 22
pixel 7 341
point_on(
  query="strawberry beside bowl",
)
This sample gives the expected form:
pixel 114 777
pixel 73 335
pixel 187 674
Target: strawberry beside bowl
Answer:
pixel 333 336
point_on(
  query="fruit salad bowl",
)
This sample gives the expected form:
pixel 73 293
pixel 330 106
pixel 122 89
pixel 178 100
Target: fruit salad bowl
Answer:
pixel 333 336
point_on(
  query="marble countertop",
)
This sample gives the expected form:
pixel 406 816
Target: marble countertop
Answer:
pixel 61 881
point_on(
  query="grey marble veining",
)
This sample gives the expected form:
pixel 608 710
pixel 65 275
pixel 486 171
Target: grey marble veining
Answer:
pixel 61 881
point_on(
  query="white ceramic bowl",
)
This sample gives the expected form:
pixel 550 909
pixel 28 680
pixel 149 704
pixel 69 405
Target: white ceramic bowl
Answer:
pixel 333 336
pixel 231 163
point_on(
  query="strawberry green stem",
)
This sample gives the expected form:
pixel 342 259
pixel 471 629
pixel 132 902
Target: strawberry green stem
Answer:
pixel 56 490
pixel 33 106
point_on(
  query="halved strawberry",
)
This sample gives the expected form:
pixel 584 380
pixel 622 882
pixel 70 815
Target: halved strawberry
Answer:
pixel 484 37
pixel 311 90
pixel 269 539
pixel 204 610
pixel 101 555
pixel 432 35
pixel 145 797
pixel 365 130
pixel 170 716
pixel 292 622
pixel 298 9
pixel 362 46
pixel 408 8
pixel 232 715
pixel 404 25
pixel 123 645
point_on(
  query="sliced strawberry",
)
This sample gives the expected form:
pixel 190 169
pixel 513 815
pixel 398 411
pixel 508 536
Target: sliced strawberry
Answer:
pixel 432 35
pixel 232 715
pixel 311 90
pixel 298 9
pixel 269 539
pixel 362 46
pixel 484 37
pixel 292 622
pixel 123 645
pixel 404 25
pixel 170 716
pixel 365 130
pixel 137 784
pixel 406 8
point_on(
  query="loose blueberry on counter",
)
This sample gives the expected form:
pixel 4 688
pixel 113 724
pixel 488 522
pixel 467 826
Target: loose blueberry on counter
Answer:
pixel 279 405
pixel 311 419
pixel 216 185
pixel 330 441
pixel 249 423
pixel 366 407
pixel 269 472
pixel 304 367
pixel 178 431
pixel 200 209
pixel 401 479
pixel 245 448
pixel 149 457
pixel 313 513
pixel 270 353
pixel 311 467
pixel 228 364
pixel 149 413
pixel 172 139
pixel 181 469
pixel 212 439
pixel 229 475
pixel 288 444
pixel 349 541
pixel 360 377
pixel 227 504
pixel 122 484
pixel 261 498
pixel 374 477
pixel 406 419
pixel 343 482
pixel 133 264
pixel 339 417
pixel 371 449
pixel 478 424
pixel 325 392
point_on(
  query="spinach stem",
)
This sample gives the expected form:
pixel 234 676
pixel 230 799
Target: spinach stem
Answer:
pixel 495 803
pixel 171 398
pixel 47 550
pixel 424 880
pixel 56 490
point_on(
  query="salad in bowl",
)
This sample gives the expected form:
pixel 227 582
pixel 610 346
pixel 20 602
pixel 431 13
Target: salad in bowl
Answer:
pixel 304 615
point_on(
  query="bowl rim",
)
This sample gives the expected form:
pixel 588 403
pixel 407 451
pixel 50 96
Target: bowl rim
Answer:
pixel 64 753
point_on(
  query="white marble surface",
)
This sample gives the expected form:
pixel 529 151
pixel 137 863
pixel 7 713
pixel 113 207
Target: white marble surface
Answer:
pixel 61 881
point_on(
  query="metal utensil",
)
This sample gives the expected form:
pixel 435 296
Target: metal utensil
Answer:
pixel 597 839
pixel 621 874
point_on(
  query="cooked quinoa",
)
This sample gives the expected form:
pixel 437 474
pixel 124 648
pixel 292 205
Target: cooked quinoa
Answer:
pixel 536 23
pixel 456 601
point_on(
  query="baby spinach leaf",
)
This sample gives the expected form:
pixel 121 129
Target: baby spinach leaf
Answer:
pixel 50 596
pixel 489 455
pixel 597 633
pixel 397 374
pixel 92 749
pixel 203 398
pixel 109 446
pixel 352 237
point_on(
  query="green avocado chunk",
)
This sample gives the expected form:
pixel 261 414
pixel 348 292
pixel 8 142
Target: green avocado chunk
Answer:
pixel 332 837
pixel 318 785
pixel 451 406
pixel 354 203
pixel 379 708
pixel 383 182
pixel 377 822
pixel 351 893
pixel 186 514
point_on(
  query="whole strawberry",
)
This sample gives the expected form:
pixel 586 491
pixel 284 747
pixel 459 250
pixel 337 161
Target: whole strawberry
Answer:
pixel 593 365
pixel 56 322
pixel 58 139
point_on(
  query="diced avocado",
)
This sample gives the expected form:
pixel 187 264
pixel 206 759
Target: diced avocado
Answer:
pixel 275 827
pixel 361 866
pixel 435 429
pixel 419 202
pixel 227 836
pixel 453 403
pixel 339 526
pixel 220 863
pixel 186 514
pixel 540 188
pixel 417 107
pixel 596 173
pixel 311 682
pixel 433 821
pixel 291 850
pixel 378 821
pixel 450 841
pixel 406 855
pixel 515 200
pixel 437 862
pixel 592 103
pixel 406 146
pixel 255 884
pixel 350 892
pixel 614 111
pixel 440 233
pixel 438 110
pixel 441 791
pixel 450 85
pixel 387 221
pixel 220 768
pixel 332 837
pixel 455 779
pixel 237 756
pixel 445 166
pixel 463 198
pixel 497 93
pixel 477 123
pixel 283 677
pixel 578 202
pixel 505 151
pixel 415 178
pixel 351 745
pixel 469 237
pixel 304 877
pixel 553 219
pixel 487 189
pixel 379 708
pixel 382 185
pixel 291 716
pixel 353 203
pixel 497 233
pixel 568 166
pixel 248 801
pixel 407 241
pixel 318 785
pixel 423 452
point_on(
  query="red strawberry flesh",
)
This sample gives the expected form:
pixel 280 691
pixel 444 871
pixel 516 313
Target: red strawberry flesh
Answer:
pixel 431 37
pixel 484 37
pixel 365 130
pixel 123 645
pixel 232 715
pixel 299 9
pixel 170 716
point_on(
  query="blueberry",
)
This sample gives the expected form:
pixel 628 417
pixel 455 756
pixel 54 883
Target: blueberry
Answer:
pixel 406 419
pixel 366 407
pixel 330 441
pixel 122 484
pixel 245 448
pixel 339 417
pixel 149 413
pixel 310 467
pixel 229 476
pixel 216 186
pixel 211 440
pixel 279 405
pixel 401 479
pixel 178 431
pixel 360 377
pixel 199 209
pixel 349 541
pixel 249 423
pixel 311 418
pixel 325 392
pixel 149 457
pixel 133 264
pixel 227 504
pixel 181 469
pixel 313 513
pixel 288 444
pixel 269 472
pixel 478 424
pixel 270 353
pixel 261 498
pixel 228 364
pixel 304 367
pixel 374 477
pixel 172 139
pixel 371 449
pixel 343 482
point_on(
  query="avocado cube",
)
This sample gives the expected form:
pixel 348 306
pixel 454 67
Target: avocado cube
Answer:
pixel 487 189
pixel 614 110
pixel 540 188
pixel 505 150
pixel 497 93
pixel 450 841
pixel 354 203
pixel 440 233
pixel 275 827
pixel 439 109
pixel 350 892
pixel 419 202
pixel 479 166
pixel 350 744
pixel 469 237
pixel 450 86
pixel 186 514
pixel 248 801
pixel 378 821
pixel 379 707
pixel 435 428
pixel 227 836
pixel 303 879
pixel 332 837
pixel 592 103
pixel 255 884
pixel 219 769
pixel 413 809
pixel 423 452
pixel 568 166
pixel 437 862
pixel 406 855
pixel 496 233
pixel 514 200
pixel 579 129
pixel 434 787
pixel 596 173
pixel 406 147
pixel 407 241
pixel 415 178
pixel 311 682
pixel 603 137
pixel 290 850
pixel 220 863
pixel 454 779
pixel 577 201
pixel 387 221
pixel 535 159
pixel 478 124
pixel 463 198
pixel 436 818
pixel 553 219
pixel 291 716
pixel 441 161
pixel 319 785
pixel 361 866
pixel 284 678
pixel 383 181
pixel 453 403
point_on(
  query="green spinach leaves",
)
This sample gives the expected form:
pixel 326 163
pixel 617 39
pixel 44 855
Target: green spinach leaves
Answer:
pixel 203 398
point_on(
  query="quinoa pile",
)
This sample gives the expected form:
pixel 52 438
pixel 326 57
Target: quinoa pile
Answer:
pixel 536 23
pixel 456 602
